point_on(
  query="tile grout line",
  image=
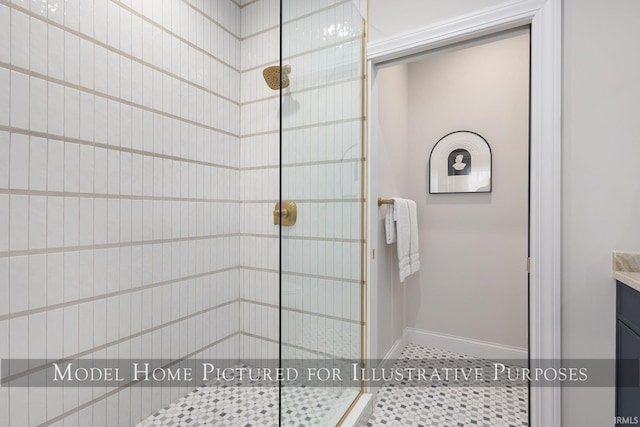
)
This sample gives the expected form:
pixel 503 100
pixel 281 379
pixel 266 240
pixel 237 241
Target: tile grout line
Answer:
pixel 307 238
pixel 108 47
pixel 64 249
pixel 307 89
pixel 80 354
pixel 205 16
pixel 79 141
pixel 248 3
pixel 306 52
pixel 298 310
pixel 302 127
pixel 168 31
pixel 294 346
pixel 303 201
pixel 311 276
pixel 119 389
pixel 297 18
pixel 301 164
pixel 131 290
pixel 109 196
pixel 120 100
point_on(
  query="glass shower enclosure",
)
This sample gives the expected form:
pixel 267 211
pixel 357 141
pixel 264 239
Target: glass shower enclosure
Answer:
pixel 321 171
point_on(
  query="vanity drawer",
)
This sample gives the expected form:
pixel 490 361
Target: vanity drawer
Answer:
pixel 628 301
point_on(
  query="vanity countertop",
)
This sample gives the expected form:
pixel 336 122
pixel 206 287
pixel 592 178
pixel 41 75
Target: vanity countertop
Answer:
pixel 626 268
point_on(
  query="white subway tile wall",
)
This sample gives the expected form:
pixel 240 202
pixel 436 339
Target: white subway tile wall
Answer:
pixel 119 193
pixel 139 156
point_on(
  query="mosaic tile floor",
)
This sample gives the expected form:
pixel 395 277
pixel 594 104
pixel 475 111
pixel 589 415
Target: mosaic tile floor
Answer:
pixel 495 406
pixel 431 406
pixel 232 405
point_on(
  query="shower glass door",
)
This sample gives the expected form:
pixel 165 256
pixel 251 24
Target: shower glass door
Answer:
pixel 321 179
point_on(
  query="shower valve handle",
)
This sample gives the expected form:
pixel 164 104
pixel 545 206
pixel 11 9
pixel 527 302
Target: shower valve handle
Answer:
pixel 276 215
pixel 287 213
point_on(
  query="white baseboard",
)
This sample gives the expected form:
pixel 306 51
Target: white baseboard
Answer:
pixel 476 348
pixel 361 412
pixel 481 349
pixel 394 352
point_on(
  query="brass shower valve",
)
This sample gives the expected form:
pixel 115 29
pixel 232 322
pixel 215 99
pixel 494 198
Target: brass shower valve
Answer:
pixel 288 212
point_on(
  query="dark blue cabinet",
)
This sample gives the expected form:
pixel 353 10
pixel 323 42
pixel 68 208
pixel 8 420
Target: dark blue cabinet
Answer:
pixel 627 355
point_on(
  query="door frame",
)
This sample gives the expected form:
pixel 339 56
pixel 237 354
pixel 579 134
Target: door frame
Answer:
pixel 545 20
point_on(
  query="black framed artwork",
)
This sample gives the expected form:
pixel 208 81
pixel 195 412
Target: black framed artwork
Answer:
pixel 460 162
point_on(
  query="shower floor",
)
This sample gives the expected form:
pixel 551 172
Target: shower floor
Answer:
pixel 448 406
pixel 224 405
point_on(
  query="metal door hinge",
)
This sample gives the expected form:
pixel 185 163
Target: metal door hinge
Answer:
pixel 529 265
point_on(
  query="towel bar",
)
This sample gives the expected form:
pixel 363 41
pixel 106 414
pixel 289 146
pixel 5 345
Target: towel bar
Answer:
pixel 384 201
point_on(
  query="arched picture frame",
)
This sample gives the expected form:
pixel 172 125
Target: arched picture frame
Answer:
pixel 460 162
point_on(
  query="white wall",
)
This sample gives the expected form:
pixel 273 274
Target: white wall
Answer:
pixel 601 191
pixel 390 176
pixel 473 247
pixel 387 18
pixel 462 288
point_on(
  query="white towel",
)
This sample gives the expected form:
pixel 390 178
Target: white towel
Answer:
pixel 405 214
pixel 403 232
pixel 414 250
pixel 390 225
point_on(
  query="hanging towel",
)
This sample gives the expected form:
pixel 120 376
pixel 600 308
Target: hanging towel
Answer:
pixel 403 236
pixel 405 215
pixel 414 248
pixel 390 225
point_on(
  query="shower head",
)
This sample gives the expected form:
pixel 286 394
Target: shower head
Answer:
pixel 272 76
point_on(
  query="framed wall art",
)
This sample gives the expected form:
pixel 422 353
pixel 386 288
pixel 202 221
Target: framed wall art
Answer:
pixel 460 162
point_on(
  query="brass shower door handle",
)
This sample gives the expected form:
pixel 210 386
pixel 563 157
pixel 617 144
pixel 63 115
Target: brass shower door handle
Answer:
pixel 288 212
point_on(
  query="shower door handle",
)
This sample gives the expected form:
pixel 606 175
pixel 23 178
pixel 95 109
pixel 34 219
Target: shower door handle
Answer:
pixel 288 212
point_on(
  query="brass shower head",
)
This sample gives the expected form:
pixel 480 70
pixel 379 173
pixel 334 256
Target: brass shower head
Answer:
pixel 272 76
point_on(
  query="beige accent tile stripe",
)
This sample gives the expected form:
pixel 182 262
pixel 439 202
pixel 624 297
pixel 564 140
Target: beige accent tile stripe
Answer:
pixel 131 290
pixel 293 165
pixel 297 347
pixel 79 141
pixel 291 273
pixel 119 389
pixel 114 98
pixel 307 89
pixel 316 239
pixel 119 52
pixel 306 15
pixel 111 245
pixel 296 310
pixel 306 201
pixel 294 128
pixel 306 52
pixel 249 3
pixel 210 19
pixel 110 196
pixel 182 39
pixel 118 341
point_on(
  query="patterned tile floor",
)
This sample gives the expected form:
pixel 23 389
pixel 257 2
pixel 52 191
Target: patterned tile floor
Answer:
pixel 234 405
pixel 492 406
